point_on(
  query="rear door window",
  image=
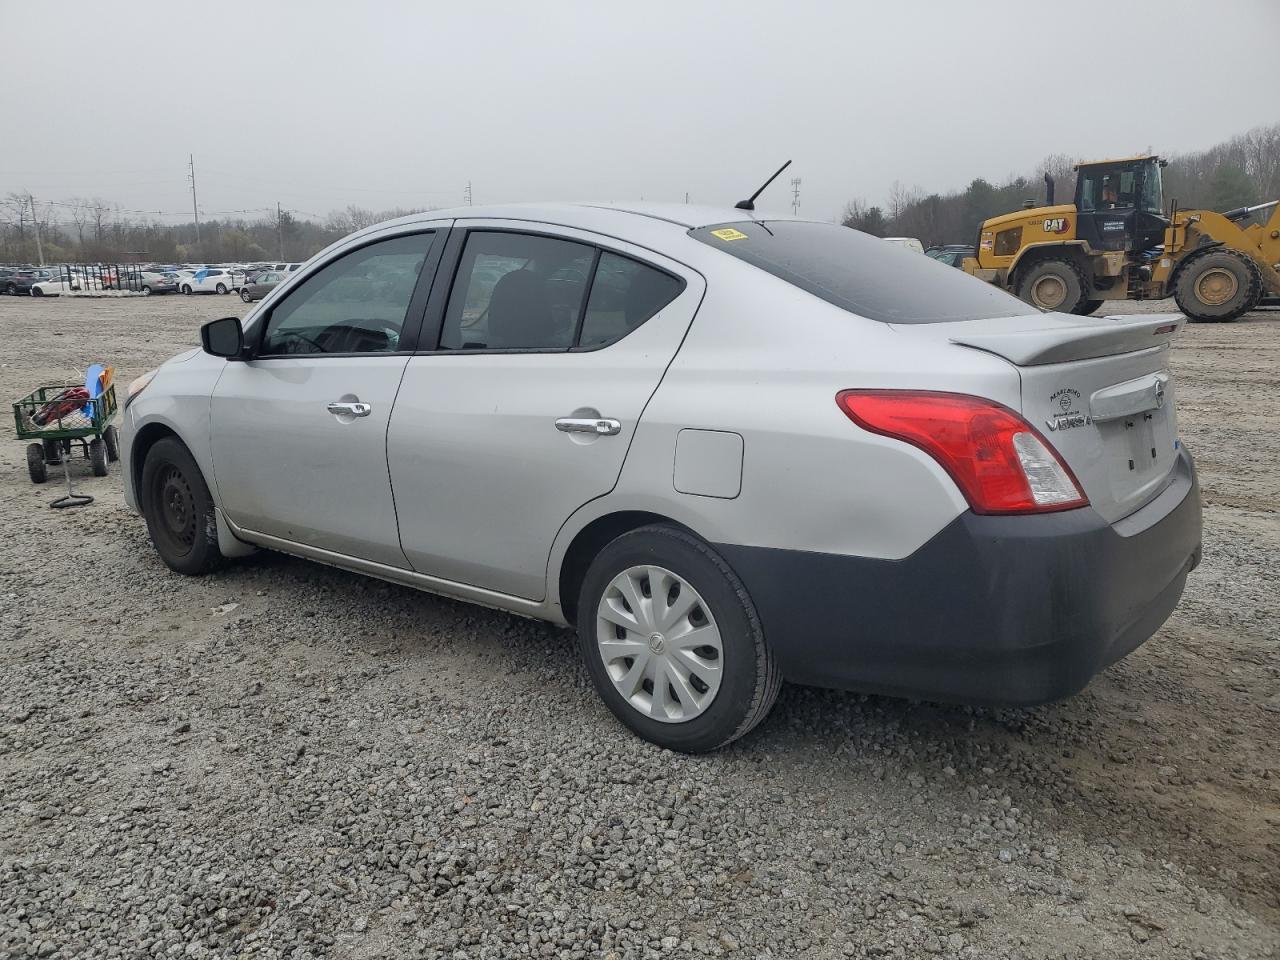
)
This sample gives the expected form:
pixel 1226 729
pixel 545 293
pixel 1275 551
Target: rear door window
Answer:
pixel 860 273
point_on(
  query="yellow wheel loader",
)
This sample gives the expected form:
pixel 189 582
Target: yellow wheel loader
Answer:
pixel 1116 242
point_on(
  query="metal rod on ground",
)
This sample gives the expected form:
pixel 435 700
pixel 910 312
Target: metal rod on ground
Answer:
pixel 72 499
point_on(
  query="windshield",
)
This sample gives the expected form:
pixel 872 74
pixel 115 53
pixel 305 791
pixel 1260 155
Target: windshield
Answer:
pixel 860 273
pixel 1150 190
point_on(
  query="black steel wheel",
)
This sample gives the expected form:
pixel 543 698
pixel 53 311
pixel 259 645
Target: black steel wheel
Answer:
pixel 179 509
pixel 35 463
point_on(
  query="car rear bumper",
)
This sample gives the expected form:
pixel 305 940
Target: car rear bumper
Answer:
pixel 992 610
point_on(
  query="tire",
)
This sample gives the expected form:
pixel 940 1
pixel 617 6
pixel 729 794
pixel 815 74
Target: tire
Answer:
pixel 220 288
pixel 98 457
pixel 244 295
pixel 37 292
pixel 1217 286
pixel 111 440
pixel 1054 285
pixel 146 290
pixel 52 451
pixel 35 463
pixel 1089 306
pixel 186 289
pixel 11 289
pixel 179 510
pixel 746 680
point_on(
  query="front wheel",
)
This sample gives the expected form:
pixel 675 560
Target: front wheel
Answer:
pixel 111 440
pixel 1218 286
pixel 179 509
pixel 673 643
pixel 37 292
pixel 35 463
pixel 146 291
pixel 98 457
pixel 245 296
pixel 1089 306
pixel 186 289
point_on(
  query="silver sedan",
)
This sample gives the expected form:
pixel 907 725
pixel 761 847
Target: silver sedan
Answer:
pixel 727 449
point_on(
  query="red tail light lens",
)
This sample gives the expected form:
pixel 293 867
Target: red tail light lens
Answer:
pixel 999 461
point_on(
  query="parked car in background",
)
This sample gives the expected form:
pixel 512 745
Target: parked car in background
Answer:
pixel 150 283
pixel 57 285
pixel 952 254
pixel 260 286
pixel 20 281
pixel 910 243
pixel 208 280
pixel 916 485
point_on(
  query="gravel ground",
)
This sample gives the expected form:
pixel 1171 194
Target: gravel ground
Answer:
pixel 284 760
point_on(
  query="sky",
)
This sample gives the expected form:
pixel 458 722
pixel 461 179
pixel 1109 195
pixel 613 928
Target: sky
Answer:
pixel 322 104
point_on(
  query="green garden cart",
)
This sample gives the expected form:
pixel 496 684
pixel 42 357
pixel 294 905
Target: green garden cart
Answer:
pixel 59 418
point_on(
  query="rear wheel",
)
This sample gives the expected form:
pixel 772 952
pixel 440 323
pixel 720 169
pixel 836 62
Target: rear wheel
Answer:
pixel 186 289
pixel 672 641
pixel 245 296
pixel 146 291
pixel 35 463
pixel 221 288
pixel 1218 286
pixel 1089 306
pixel 179 509
pixel 37 292
pixel 1053 285
pixel 98 457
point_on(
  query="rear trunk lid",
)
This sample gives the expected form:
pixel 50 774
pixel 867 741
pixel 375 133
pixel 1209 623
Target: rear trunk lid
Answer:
pixel 1098 388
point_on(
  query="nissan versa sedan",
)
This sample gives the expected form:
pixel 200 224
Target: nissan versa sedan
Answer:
pixel 729 449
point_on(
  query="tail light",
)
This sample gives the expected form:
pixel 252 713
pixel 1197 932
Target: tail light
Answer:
pixel 999 461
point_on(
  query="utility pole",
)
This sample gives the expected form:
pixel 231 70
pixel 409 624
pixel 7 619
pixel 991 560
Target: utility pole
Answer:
pixel 280 229
pixel 195 209
pixel 686 196
pixel 795 196
pixel 35 222
pixel 466 195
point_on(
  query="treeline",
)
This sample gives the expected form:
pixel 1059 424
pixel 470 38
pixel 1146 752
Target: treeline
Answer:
pixel 96 230
pixel 1243 171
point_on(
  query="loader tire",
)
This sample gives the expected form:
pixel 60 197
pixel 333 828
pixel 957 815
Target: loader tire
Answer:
pixel 1053 285
pixel 1089 306
pixel 1218 286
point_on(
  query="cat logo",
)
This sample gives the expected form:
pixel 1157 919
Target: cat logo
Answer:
pixel 1056 225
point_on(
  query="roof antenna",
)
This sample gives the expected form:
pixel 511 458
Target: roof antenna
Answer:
pixel 750 203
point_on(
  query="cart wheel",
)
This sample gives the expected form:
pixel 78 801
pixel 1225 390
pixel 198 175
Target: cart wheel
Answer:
pixel 52 451
pixel 35 463
pixel 112 440
pixel 98 456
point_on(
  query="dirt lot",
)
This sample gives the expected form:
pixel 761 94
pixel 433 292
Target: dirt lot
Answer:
pixel 287 761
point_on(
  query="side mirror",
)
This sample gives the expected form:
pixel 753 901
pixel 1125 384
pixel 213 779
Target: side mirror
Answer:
pixel 223 338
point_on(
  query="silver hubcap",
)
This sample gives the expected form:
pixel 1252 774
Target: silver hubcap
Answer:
pixel 659 644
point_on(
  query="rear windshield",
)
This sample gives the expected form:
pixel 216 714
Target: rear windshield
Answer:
pixel 861 273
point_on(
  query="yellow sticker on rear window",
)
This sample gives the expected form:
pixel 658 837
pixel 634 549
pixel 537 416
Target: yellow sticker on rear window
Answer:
pixel 728 233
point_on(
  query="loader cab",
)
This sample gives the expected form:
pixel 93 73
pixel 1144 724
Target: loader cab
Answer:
pixel 1120 204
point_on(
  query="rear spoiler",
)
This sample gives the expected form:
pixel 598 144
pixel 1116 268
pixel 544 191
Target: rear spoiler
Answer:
pixel 1060 338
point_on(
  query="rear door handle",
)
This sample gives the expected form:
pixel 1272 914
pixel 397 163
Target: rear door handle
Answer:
pixel 339 409
pixel 602 427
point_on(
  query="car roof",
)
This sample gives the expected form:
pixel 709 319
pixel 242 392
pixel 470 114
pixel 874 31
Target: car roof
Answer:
pixel 623 219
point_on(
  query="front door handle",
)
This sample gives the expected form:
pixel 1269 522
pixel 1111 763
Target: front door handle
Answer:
pixel 339 409
pixel 600 427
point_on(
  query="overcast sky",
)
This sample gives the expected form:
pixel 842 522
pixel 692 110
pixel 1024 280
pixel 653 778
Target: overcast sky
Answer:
pixel 382 104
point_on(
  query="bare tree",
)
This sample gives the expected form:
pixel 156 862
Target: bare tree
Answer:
pixel 81 213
